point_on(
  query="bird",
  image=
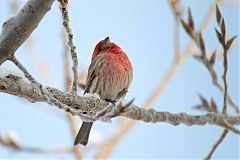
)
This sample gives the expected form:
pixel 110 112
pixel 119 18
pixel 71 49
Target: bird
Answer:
pixel 109 75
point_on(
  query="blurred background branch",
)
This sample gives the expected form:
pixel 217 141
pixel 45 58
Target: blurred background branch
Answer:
pixel 10 140
pixel 209 64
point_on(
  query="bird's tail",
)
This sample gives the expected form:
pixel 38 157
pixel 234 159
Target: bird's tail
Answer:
pixel 83 133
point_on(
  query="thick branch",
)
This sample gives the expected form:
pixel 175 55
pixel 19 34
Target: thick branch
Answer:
pixel 17 29
pixel 81 105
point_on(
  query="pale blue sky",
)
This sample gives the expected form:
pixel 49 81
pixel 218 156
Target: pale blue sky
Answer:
pixel 144 30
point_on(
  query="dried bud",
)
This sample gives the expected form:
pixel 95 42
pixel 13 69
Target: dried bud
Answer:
pixel 213 58
pixel 230 41
pixel 201 43
pixel 223 30
pixel 213 106
pixel 187 28
pixel 198 57
pixel 204 102
pixel 219 36
pixel 190 19
pixel 219 15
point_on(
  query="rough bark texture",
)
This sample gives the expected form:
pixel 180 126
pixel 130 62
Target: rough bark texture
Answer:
pixel 94 108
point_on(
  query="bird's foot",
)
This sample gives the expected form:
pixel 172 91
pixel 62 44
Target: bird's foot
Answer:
pixel 111 101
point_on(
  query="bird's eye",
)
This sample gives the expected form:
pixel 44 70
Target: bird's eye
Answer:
pixel 101 48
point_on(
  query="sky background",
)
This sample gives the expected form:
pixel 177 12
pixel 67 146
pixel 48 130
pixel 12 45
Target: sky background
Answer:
pixel 145 31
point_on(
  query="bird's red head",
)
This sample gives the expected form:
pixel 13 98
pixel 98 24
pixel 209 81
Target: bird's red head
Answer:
pixel 105 46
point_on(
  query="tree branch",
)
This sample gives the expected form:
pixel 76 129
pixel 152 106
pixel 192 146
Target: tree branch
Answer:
pixel 90 107
pixel 17 29
pixel 14 145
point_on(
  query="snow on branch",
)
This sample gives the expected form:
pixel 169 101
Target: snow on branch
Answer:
pixel 92 108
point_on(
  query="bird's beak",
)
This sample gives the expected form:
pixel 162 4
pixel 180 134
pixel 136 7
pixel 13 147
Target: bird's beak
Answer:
pixel 107 42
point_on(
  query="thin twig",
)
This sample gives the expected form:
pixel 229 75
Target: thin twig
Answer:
pixel 223 135
pixel 37 88
pixel 31 79
pixel 221 35
pixel 225 64
pixel 226 46
pixel 65 16
pixel 209 64
pixel 24 70
pixel 71 119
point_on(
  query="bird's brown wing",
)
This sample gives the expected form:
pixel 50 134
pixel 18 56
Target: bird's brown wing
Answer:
pixel 93 72
pixel 127 79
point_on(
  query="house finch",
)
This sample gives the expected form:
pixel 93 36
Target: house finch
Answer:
pixel 109 75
